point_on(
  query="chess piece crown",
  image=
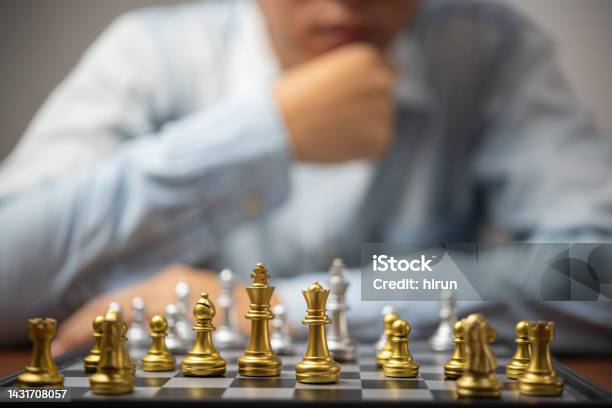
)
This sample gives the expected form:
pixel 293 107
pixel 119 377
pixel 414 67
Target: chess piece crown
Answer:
pixel 540 378
pixel 259 360
pixel 317 365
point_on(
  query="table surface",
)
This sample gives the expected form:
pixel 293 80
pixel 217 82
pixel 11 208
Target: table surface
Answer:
pixel 595 369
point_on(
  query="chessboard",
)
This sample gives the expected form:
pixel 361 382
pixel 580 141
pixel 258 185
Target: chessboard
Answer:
pixel 361 383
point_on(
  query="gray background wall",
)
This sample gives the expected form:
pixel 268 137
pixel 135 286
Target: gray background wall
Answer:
pixel 41 40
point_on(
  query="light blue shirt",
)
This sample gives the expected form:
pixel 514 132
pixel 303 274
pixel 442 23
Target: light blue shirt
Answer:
pixel 164 145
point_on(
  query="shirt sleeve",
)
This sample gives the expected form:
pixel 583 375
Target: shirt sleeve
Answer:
pixel 543 167
pixel 126 197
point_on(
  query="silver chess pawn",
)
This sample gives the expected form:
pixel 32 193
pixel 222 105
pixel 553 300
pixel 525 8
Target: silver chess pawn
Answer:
pixel 173 340
pixel 338 339
pixel 380 344
pixel 138 335
pixel 183 313
pixel 228 335
pixel 280 339
pixel 442 339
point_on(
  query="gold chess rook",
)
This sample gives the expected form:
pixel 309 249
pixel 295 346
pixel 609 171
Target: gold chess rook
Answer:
pixel 41 371
pixel 540 378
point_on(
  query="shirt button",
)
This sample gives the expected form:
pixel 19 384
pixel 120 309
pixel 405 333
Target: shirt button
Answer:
pixel 252 204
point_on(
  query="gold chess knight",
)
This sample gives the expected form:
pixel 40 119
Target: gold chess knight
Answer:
pixel 520 361
pixel 113 374
pixel 203 360
pixel 479 379
pixel 317 365
pixel 383 354
pixel 454 368
pixel 259 360
pixel 158 358
pixel 41 371
pixel 400 363
pixel 93 358
pixel 540 378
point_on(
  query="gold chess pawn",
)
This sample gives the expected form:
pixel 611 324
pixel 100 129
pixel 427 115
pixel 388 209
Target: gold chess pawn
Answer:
pixel 401 364
pixel 317 365
pixel 158 358
pixel 259 360
pixel 113 374
pixel 520 361
pixel 384 354
pixel 454 368
pixel 479 379
pixel 41 371
pixel 540 378
pixel 93 358
pixel 203 360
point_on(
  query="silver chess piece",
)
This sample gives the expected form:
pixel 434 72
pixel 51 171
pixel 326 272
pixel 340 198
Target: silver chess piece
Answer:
pixel 183 316
pixel 338 339
pixel 280 339
pixel 380 344
pixel 173 340
pixel 228 335
pixel 442 339
pixel 138 335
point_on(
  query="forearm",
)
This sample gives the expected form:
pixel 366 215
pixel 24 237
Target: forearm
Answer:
pixel 159 200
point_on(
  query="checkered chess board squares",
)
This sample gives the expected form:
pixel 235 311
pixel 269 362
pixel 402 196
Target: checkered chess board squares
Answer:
pixel 359 381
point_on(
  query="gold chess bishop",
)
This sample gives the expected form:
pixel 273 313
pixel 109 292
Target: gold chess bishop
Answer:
pixel 203 360
pixel 259 360
pixel 41 371
pixel 317 365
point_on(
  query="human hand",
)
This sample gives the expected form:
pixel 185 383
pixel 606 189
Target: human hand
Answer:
pixel 339 106
pixel 157 292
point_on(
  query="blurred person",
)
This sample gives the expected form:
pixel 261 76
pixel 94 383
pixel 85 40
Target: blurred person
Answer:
pixel 223 133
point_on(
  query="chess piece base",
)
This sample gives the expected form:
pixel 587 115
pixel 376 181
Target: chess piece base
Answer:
pixel 259 365
pixel 483 387
pixel 31 378
pixel 382 356
pixel 341 351
pixel 111 384
pixel 540 385
pixel 516 368
pixel 401 369
pixel 209 365
pixel 454 369
pixel 90 363
pixel 158 363
pixel 317 370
